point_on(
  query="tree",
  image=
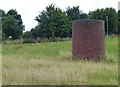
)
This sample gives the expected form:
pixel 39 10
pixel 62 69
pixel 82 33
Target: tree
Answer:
pixel 2 16
pixel 26 34
pixel 37 32
pixel 73 13
pixel 112 16
pixel 53 22
pixel 13 25
pixel 113 20
pixel 10 27
pixel 119 22
pixel 83 16
pixel 97 14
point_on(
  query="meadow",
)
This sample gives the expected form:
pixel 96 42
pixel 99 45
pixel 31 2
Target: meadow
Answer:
pixel 51 64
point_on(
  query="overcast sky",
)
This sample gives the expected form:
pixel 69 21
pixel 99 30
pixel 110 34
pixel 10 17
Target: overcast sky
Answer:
pixel 29 9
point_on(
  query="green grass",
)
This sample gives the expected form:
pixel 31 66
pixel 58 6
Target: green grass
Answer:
pixel 51 64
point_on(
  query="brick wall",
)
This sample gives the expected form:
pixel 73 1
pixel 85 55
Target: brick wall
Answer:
pixel 88 40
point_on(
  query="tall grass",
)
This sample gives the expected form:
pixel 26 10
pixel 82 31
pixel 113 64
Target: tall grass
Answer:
pixel 51 63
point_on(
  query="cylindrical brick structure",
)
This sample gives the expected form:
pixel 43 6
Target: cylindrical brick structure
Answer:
pixel 88 39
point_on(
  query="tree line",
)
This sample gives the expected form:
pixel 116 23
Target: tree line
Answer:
pixel 54 22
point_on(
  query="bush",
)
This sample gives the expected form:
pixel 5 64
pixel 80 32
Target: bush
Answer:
pixel 54 39
pixel 11 42
pixel 28 40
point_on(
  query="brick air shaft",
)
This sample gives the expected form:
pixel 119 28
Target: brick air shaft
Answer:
pixel 88 39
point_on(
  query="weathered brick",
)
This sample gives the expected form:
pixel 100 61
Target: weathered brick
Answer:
pixel 88 40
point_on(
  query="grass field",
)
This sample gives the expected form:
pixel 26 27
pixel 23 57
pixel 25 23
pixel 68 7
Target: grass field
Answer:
pixel 51 64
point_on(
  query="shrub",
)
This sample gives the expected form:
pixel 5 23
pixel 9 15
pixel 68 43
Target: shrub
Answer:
pixel 11 42
pixel 28 40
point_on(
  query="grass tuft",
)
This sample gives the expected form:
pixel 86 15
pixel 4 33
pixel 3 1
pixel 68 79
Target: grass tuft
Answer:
pixel 66 56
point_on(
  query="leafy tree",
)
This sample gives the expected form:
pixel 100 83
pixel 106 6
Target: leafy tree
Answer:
pixel 53 22
pixel 112 16
pixel 38 32
pixel 97 14
pixel 10 27
pixel 35 33
pixel 83 16
pixel 26 34
pixel 13 25
pixel 119 22
pixel 73 13
pixel 113 20
pixel 2 16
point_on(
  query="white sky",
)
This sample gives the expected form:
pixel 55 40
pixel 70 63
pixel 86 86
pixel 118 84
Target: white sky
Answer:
pixel 29 9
